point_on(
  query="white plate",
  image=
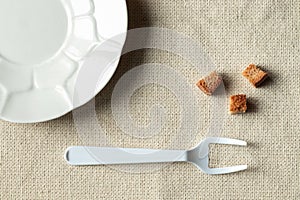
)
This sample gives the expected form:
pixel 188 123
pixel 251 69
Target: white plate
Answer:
pixel 42 46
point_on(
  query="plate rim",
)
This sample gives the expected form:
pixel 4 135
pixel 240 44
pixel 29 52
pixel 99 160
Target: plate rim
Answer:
pixel 113 69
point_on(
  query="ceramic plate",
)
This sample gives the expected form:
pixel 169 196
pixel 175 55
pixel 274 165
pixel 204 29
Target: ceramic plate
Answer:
pixel 42 46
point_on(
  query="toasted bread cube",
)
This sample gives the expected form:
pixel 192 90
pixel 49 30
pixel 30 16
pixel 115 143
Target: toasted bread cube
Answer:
pixel 255 75
pixel 210 83
pixel 238 104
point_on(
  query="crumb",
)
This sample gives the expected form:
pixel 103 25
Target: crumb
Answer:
pixel 238 104
pixel 210 83
pixel 255 75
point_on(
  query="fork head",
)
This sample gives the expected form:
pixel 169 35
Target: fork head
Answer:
pixel 199 156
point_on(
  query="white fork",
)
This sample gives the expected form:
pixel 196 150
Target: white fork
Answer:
pixel 199 155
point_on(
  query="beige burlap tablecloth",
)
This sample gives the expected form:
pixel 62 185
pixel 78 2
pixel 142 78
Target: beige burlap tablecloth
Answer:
pixel 234 33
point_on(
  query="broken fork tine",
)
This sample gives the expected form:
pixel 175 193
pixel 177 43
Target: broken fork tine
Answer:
pixel 226 170
pixel 228 141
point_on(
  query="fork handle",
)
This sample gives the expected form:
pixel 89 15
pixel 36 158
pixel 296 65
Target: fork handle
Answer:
pixel 81 155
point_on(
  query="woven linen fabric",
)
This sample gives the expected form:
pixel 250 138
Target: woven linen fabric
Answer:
pixel 234 33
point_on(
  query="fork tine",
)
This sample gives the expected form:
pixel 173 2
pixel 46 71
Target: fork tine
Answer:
pixel 229 141
pixel 226 170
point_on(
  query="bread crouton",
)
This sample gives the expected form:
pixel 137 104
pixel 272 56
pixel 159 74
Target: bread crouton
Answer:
pixel 210 83
pixel 255 75
pixel 238 104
